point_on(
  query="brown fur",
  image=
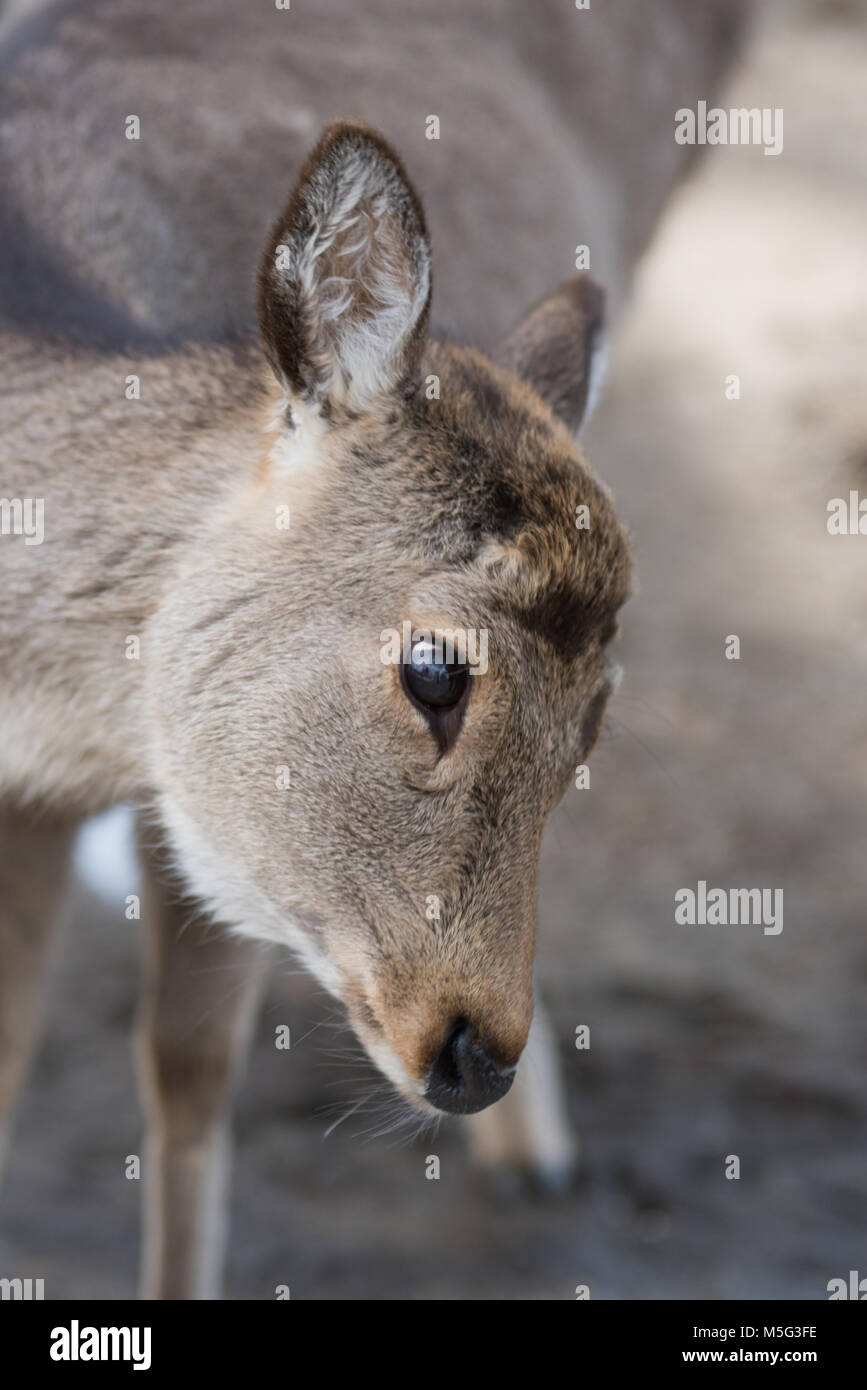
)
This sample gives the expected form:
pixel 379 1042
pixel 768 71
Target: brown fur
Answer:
pixel 274 637
pixel 260 646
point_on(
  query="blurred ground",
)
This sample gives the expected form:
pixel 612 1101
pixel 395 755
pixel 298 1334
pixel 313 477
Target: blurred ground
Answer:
pixel 705 1041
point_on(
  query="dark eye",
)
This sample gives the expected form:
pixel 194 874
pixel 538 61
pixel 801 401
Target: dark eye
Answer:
pixel 434 684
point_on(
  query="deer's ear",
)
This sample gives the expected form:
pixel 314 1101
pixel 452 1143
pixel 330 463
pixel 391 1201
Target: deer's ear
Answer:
pixel 557 347
pixel 344 282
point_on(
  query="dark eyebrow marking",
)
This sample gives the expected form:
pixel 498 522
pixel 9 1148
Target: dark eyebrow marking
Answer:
pixel 560 616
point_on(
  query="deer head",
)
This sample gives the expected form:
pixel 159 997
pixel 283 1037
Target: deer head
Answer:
pixel 364 718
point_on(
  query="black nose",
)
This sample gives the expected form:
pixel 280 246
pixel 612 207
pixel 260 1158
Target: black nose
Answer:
pixel 465 1078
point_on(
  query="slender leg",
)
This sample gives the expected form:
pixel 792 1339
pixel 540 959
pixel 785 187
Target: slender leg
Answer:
pixel 34 864
pixel 527 1132
pixel 200 991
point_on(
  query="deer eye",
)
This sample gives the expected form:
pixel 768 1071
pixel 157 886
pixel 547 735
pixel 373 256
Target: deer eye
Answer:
pixel 433 684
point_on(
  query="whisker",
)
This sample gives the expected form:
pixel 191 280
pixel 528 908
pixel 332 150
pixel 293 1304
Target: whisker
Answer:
pixel 351 1111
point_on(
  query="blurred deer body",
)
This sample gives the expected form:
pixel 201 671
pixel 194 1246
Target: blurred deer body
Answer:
pixel 233 519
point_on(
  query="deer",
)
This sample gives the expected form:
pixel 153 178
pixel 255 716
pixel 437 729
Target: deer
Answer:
pixel 256 454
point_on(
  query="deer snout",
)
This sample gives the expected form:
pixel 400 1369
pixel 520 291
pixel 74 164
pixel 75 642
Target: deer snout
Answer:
pixel 466 1076
pixel 439 1051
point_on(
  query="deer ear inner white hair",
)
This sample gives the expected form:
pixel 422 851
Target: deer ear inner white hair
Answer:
pixel 345 278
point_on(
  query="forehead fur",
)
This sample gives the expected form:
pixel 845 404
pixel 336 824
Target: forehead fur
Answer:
pixel 489 478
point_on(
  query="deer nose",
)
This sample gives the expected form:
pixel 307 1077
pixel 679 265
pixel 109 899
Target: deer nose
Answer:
pixel 465 1077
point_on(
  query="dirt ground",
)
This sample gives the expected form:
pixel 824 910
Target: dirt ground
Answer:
pixel 705 1041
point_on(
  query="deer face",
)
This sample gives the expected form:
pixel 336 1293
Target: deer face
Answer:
pixel 365 717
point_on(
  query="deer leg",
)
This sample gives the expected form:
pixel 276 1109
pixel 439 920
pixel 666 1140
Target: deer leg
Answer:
pixel 200 990
pixel 34 864
pixel 527 1132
